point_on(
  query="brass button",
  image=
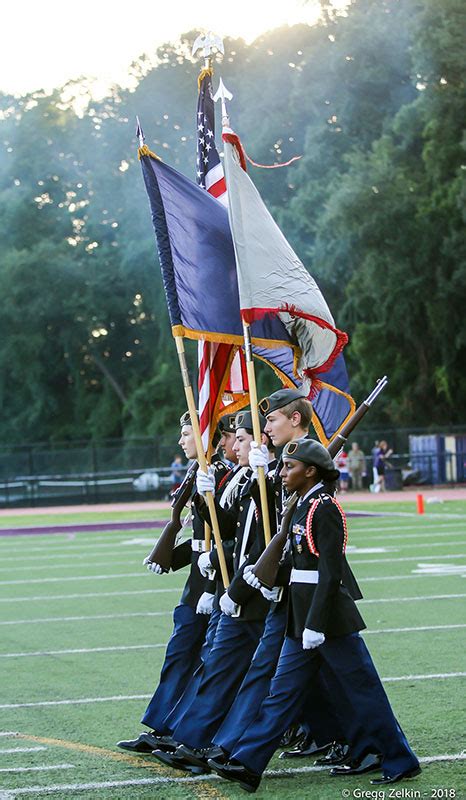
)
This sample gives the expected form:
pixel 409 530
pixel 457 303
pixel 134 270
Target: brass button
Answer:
pixel 238 524
pixel 241 508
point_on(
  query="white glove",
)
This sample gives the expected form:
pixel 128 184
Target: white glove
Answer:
pixel 312 639
pixel 152 566
pixel 250 578
pixel 205 603
pixel 205 481
pixel 271 594
pixel 258 457
pixel 227 605
pixel 205 566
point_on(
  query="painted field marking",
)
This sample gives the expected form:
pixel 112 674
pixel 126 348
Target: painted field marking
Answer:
pixel 123 648
pixel 404 558
pixel 9 750
pixel 413 599
pixel 42 768
pixel 138 575
pixel 124 698
pixel 127 562
pixel 95 786
pixel 9 733
pixel 85 650
pixel 415 630
pixel 40 597
pixel 69 564
pixel 85 618
pixel 444 570
pixel 410 577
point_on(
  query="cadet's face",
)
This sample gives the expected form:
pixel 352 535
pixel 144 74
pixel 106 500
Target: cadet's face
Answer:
pixel 296 476
pixel 187 443
pixel 279 428
pixel 227 441
pixel 242 446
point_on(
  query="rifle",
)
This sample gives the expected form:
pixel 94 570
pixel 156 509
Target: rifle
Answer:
pixel 162 551
pixel 266 567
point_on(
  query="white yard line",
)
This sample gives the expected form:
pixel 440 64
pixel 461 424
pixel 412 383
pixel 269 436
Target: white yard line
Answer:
pixel 111 563
pixel 124 698
pixel 414 630
pixel 84 650
pixel 120 576
pixel 41 597
pixel 402 558
pixel 123 648
pixel 410 577
pixel 5 751
pixel 98 785
pixel 70 564
pixel 43 620
pixel 413 599
pixel 114 576
pixel 42 768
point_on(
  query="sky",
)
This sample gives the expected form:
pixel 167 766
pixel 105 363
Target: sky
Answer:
pixel 48 42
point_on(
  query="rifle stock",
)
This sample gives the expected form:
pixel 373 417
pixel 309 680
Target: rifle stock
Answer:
pixel 162 551
pixel 266 567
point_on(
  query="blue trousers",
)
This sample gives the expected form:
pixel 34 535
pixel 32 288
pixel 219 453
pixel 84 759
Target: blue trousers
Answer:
pixel 234 645
pixel 175 715
pixel 256 683
pixel 347 655
pixel 182 657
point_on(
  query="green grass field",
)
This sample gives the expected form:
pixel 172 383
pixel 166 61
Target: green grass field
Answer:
pixel 84 626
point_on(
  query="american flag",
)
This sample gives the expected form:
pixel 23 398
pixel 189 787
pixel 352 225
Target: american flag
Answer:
pixel 222 370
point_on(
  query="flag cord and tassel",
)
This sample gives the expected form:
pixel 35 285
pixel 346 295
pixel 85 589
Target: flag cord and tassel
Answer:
pixel 188 390
pixel 256 426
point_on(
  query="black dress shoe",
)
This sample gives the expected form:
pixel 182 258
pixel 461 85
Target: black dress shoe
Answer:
pixel 171 760
pixel 166 743
pixel 292 736
pixel 338 754
pixel 145 743
pixel 193 755
pixel 237 773
pixel 369 763
pixel 307 747
pixel 400 776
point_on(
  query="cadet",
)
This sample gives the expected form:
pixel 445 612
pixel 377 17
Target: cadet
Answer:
pixel 190 617
pixel 323 627
pixel 240 626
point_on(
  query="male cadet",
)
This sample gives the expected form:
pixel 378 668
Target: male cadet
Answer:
pixel 323 627
pixel 240 626
pixel 191 615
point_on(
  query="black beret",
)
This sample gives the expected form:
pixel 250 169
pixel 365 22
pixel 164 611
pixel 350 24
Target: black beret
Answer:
pixel 280 399
pixel 311 452
pixel 244 420
pixel 227 423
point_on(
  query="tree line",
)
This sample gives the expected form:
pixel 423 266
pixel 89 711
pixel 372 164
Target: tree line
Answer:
pixel 373 100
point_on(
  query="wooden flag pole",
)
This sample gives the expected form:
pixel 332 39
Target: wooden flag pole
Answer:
pixel 188 390
pixel 256 426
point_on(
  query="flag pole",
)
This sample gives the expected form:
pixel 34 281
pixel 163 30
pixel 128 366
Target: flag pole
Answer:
pixel 223 94
pixel 206 42
pixel 256 428
pixel 188 390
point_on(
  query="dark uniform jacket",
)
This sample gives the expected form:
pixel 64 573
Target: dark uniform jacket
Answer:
pixel 239 522
pixel 326 606
pixel 184 554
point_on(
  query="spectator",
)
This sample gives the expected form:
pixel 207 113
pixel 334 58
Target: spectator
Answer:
pixel 383 453
pixel 177 473
pixel 341 463
pixel 356 466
